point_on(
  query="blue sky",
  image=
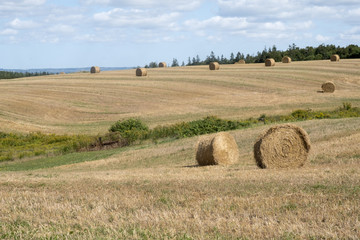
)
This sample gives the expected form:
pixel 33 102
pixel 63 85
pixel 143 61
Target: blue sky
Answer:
pixel 126 33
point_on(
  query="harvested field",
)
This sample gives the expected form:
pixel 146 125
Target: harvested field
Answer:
pixel 157 191
pixel 90 103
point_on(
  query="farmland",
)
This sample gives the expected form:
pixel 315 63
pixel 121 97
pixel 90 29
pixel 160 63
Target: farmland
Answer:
pixel 155 190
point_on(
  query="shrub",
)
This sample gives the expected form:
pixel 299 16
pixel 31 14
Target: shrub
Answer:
pixel 346 106
pixel 131 129
pixel 301 114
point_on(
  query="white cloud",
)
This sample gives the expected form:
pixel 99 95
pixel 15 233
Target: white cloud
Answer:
pixel 126 18
pixel 8 31
pixel 9 7
pixel 352 34
pixel 274 26
pixel 354 12
pixel 321 38
pixel 22 24
pixel 290 10
pixel 218 23
pixel 61 28
pixel 179 5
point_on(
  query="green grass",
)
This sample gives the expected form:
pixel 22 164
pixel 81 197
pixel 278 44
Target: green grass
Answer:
pixel 50 162
pixel 16 146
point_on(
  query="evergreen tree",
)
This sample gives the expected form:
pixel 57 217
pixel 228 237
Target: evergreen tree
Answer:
pixel 189 62
pixel 175 63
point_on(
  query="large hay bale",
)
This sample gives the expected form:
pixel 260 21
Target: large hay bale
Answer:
pixel 217 149
pixel 335 58
pixel 141 72
pixel 270 62
pixel 241 61
pixel 162 64
pixel 328 87
pixel 214 66
pixel 282 146
pixel 286 59
pixel 95 69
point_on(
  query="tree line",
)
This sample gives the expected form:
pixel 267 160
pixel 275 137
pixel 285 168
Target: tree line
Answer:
pixel 322 52
pixel 10 75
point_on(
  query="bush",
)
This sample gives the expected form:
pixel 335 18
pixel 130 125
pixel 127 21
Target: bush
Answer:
pixel 346 106
pixel 301 114
pixel 131 129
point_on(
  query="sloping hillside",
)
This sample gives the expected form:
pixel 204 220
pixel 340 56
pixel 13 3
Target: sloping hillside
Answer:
pixel 89 103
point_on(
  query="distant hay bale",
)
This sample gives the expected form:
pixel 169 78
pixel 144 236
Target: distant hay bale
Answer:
pixel 141 72
pixel 241 61
pixel 214 66
pixel 335 58
pixel 286 59
pixel 95 69
pixel 217 149
pixel 282 146
pixel 328 87
pixel 62 73
pixel 270 62
pixel 162 64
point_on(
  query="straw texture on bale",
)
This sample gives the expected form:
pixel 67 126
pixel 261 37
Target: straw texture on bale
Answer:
pixel 286 59
pixel 95 69
pixel 282 146
pixel 217 149
pixel 214 66
pixel 270 62
pixel 241 61
pixel 141 72
pixel 162 64
pixel 328 87
pixel 335 58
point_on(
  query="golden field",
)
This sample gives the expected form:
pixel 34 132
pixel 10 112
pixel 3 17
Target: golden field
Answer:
pixel 90 103
pixel 155 190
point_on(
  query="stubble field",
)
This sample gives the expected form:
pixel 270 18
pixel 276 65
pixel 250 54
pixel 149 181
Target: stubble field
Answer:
pixel 155 190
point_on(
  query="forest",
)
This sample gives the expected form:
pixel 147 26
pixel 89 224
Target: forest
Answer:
pixel 296 53
pixel 10 75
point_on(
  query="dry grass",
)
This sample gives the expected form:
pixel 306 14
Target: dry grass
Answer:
pixel 85 103
pixel 156 192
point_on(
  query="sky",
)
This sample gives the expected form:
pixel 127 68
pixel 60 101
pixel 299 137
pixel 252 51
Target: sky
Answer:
pixel 131 33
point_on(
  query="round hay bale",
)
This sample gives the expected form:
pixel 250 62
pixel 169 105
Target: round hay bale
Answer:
pixel 241 61
pixel 95 69
pixel 214 66
pixel 335 58
pixel 217 149
pixel 162 65
pixel 328 87
pixel 270 62
pixel 282 146
pixel 141 72
pixel 62 73
pixel 286 59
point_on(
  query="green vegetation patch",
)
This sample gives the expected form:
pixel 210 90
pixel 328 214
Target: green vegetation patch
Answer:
pixel 133 129
pixel 11 75
pixel 16 146
pixel 56 161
